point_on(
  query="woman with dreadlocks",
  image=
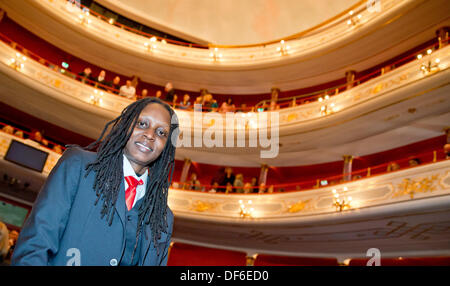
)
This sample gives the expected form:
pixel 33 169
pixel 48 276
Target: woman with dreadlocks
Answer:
pixel 108 207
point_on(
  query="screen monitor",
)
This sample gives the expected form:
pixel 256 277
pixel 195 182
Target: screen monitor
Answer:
pixel 26 156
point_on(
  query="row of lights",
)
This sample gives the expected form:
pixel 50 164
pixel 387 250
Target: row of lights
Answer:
pixel 283 50
pixel 215 55
pixel 341 203
pixel 152 45
pixel 18 63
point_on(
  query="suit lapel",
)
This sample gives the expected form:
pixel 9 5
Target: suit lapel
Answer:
pixel 120 203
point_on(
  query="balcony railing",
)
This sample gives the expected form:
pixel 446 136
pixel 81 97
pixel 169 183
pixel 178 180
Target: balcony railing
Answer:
pixel 320 182
pixel 320 105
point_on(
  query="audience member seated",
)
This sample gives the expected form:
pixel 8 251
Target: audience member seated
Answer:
pixel 4 244
pixel 86 74
pixel 239 183
pixel 8 129
pixel 144 93
pixel 36 136
pixel 18 133
pixel 198 104
pixel 227 106
pixel 228 188
pixel 101 80
pixel 170 93
pixel 447 150
pixel 115 84
pixel 209 103
pixel 127 90
pixel 193 183
pixel 158 94
pixel 228 178
pixel 185 103
pixel 254 184
pixel 414 162
pixel 393 167
pixel 214 188
pixel 218 178
pixel 13 236
pixel 57 149
pixel 248 188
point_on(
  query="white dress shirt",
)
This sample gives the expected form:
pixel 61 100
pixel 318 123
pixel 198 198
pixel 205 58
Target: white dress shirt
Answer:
pixel 126 91
pixel 129 171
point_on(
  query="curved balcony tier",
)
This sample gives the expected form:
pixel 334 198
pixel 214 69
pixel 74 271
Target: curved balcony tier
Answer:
pixel 406 105
pixel 402 213
pixel 322 56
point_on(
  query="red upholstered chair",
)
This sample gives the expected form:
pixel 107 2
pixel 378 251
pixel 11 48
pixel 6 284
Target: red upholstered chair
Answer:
pixel 182 254
pixel 410 261
pixel 274 260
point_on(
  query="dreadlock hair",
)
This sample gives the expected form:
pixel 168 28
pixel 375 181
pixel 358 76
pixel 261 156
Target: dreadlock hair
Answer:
pixel 108 168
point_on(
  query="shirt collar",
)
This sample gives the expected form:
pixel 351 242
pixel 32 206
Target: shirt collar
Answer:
pixel 129 171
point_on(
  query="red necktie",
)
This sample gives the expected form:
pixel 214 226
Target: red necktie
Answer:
pixel 130 193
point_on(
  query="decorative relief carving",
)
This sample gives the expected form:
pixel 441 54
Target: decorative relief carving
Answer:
pixel 411 187
pixel 392 229
pixel 201 206
pixel 315 40
pixel 299 206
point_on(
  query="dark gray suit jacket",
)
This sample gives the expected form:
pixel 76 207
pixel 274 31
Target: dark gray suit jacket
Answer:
pixel 66 228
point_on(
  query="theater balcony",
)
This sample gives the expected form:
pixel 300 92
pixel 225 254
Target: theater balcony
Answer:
pixel 403 213
pixel 403 106
pixel 318 213
pixel 356 38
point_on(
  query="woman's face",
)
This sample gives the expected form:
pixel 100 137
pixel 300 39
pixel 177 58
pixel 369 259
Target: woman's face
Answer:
pixel 149 137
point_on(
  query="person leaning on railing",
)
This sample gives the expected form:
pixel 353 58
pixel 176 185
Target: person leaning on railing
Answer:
pixel 8 129
pixel 185 104
pixel 239 183
pixel 128 90
pixel 101 80
pixel 86 75
pixel 115 85
pixel 227 106
pixel 447 150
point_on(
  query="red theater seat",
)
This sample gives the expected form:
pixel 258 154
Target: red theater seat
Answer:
pixel 412 261
pixel 183 254
pixel 274 260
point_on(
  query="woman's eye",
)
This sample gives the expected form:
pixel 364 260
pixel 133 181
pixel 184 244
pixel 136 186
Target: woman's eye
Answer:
pixel 142 124
pixel 161 132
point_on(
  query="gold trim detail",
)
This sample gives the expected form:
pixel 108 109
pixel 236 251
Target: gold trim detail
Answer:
pixel 201 206
pixel 411 187
pixel 299 206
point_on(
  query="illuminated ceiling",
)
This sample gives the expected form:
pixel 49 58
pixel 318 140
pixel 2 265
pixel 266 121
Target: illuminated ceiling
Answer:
pixel 231 22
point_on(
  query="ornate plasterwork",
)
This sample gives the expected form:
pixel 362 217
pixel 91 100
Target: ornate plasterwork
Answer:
pixel 353 98
pixel 381 190
pixel 229 56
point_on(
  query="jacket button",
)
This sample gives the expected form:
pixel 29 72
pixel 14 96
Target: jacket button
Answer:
pixel 113 262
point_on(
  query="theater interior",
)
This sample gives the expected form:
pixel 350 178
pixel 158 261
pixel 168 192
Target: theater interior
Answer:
pixel 353 164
